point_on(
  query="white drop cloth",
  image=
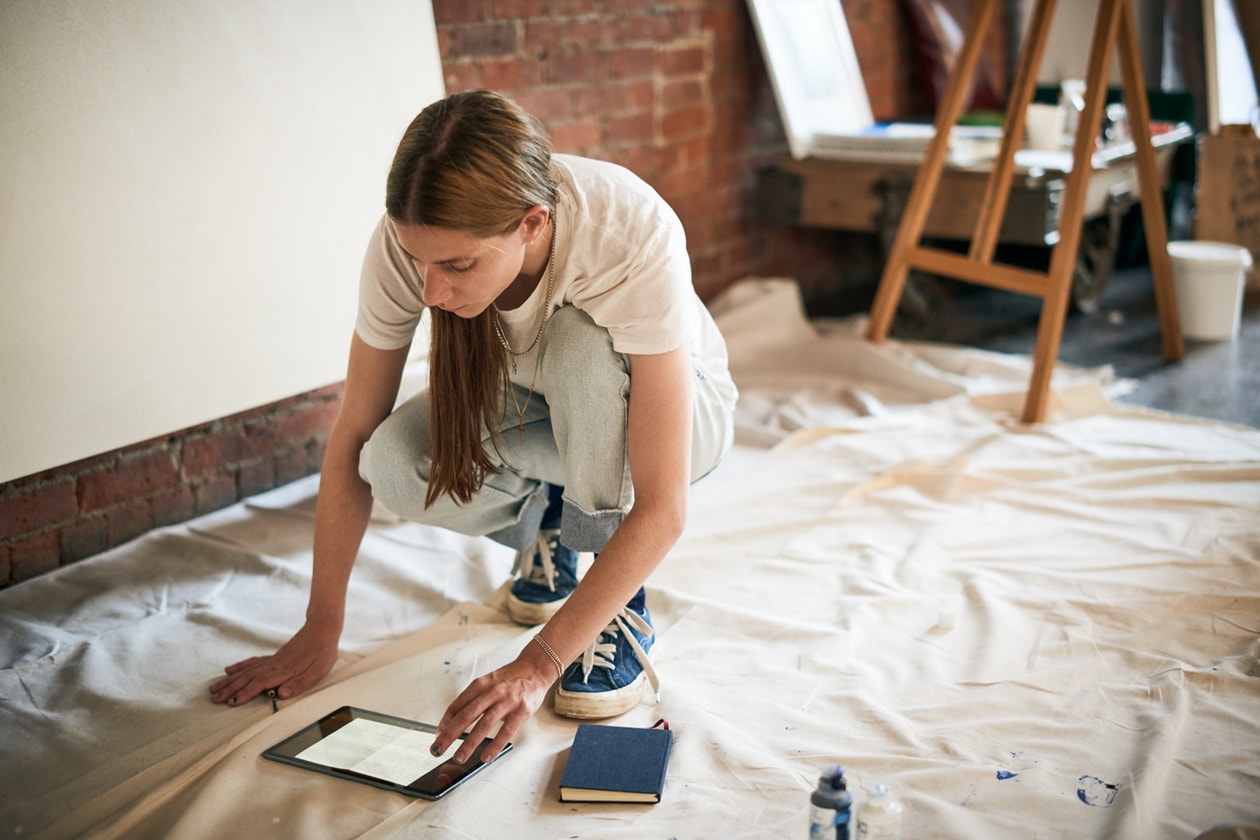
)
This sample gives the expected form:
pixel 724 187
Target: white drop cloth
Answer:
pixel 1044 631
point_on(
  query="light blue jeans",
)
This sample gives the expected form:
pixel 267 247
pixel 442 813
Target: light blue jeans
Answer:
pixel 575 437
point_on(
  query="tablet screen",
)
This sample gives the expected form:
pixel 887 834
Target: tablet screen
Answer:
pixel 375 749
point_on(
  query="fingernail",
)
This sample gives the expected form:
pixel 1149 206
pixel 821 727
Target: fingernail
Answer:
pixel 435 749
pixel 233 701
pixel 216 695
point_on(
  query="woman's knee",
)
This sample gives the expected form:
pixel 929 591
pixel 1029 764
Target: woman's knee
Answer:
pixel 394 461
pixel 576 343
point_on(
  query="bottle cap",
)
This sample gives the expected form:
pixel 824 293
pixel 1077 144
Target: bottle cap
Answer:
pixel 880 801
pixel 832 789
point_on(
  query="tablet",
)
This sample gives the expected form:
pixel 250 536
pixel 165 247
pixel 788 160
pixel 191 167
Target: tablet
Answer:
pixel 375 749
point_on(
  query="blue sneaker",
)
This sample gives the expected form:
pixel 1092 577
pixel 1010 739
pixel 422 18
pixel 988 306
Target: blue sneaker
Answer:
pixel 610 676
pixel 546 574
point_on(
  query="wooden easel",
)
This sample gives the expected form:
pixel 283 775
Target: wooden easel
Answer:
pixel 1114 23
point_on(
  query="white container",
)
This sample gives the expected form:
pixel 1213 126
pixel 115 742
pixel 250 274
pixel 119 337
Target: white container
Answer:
pixel 880 816
pixel 1044 126
pixel 1209 278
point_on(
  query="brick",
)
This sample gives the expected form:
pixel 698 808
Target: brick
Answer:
pixel 547 105
pixel 684 123
pixel 313 422
pixel 458 11
pixel 293 465
pixel 510 74
pixel 566 68
pixel 256 478
pixel 512 9
pixel 132 476
pixel 638 159
pixel 736 56
pixel 617 97
pixel 34 556
pixel 630 63
pixel 174 506
pixel 483 40
pixel 576 135
pixel 248 442
pixel 6 566
pixel 642 29
pixel 591 33
pixel 37 509
pixel 727 22
pixel 217 491
pixel 564 8
pixel 683 93
pixel 84 538
pixel 698 152
pixel 686 60
pixel 128 521
pixel 635 128
pixel 202 455
pixel 543 37
pixel 461 76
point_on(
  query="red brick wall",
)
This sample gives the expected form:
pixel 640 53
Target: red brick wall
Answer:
pixel 73 511
pixel 673 89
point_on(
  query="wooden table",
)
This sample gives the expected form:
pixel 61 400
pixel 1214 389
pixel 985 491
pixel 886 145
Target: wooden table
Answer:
pixel 870 196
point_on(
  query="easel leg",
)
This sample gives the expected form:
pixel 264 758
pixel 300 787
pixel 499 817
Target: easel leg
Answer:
pixel 1152 191
pixel 910 233
pixel 1054 308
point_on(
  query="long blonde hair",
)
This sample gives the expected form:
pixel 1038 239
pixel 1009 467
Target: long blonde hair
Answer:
pixel 476 162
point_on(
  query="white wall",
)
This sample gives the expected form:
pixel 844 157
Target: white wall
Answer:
pixel 186 190
pixel 1072 34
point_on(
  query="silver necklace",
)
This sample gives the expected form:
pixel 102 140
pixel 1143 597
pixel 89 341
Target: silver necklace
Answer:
pixel 542 325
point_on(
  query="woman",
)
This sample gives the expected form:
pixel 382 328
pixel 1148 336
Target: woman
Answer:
pixel 577 387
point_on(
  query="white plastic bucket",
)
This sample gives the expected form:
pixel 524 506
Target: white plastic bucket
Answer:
pixel 1209 278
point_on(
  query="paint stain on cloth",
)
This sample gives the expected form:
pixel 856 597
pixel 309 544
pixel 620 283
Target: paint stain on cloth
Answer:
pixel 1096 793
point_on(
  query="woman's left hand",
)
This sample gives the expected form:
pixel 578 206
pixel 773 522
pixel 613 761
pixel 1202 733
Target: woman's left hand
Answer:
pixel 509 696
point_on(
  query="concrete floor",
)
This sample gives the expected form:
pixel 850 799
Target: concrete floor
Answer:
pixel 1216 379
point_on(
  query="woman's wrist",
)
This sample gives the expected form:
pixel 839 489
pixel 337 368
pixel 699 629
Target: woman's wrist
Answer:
pixel 540 656
pixel 551 654
pixel 325 624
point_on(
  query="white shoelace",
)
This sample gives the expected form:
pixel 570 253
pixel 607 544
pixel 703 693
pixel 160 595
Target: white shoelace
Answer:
pixel 543 571
pixel 600 653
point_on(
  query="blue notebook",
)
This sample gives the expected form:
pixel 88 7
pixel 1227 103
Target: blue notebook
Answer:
pixel 616 764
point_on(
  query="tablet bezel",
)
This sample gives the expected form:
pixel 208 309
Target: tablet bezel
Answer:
pixel 434 784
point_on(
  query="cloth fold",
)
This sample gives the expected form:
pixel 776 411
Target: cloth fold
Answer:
pixel 1026 630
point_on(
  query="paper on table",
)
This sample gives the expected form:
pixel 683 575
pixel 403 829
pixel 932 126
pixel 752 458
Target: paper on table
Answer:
pixel 376 749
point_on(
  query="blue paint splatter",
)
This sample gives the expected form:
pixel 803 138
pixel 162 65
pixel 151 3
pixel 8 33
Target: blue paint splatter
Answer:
pixel 1003 775
pixel 1096 793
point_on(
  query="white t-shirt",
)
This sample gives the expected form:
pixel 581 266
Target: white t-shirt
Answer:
pixel 621 257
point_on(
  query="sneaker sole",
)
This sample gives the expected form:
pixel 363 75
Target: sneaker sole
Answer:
pixel 582 705
pixel 529 614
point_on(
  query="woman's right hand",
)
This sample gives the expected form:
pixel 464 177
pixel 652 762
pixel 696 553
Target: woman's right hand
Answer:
pixel 341 517
pixel 303 661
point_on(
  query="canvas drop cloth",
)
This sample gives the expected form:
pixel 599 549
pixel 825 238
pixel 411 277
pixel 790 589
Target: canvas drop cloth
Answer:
pixel 1046 631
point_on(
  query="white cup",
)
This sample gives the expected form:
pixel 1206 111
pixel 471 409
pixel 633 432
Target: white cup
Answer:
pixel 1044 126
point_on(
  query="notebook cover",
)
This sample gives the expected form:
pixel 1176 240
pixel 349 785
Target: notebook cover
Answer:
pixel 616 764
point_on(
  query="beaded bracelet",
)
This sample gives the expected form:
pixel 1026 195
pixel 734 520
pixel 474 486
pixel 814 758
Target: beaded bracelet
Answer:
pixel 551 654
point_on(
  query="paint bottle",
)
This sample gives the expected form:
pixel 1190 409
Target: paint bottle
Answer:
pixel 830 806
pixel 880 817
